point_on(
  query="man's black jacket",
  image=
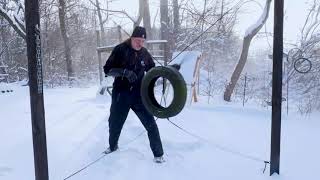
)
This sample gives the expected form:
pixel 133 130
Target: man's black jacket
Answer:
pixel 125 57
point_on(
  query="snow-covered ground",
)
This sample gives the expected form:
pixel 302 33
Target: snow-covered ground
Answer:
pixel 231 141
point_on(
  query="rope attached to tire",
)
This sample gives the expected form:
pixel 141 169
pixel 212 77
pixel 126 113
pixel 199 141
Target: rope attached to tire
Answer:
pixel 179 91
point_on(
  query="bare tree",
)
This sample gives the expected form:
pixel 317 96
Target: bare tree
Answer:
pixel 147 19
pixel 306 86
pixel 164 19
pixel 250 33
pixel 176 21
pixel 12 35
pixel 66 41
pixel 78 33
pixel 164 22
pixel 101 22
pixel 311 24
pixel 4 47
pixel 3 30
pixel 143 4
pixel 14 22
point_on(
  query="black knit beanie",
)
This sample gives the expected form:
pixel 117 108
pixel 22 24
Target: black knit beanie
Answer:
pixel 139 32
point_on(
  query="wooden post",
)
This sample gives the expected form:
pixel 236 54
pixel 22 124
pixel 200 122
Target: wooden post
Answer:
pixel 33 40
pixel 99 57
pixel 244 89
pixel 119 33
pixel 165 59
pixel 198 75
pixel 276 87
pixel 198 83
pixel 196 79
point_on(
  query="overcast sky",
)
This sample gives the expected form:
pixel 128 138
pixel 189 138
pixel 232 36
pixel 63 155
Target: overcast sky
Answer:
pixel 295 14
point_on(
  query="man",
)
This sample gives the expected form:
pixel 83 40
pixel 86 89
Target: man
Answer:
pixel 128 63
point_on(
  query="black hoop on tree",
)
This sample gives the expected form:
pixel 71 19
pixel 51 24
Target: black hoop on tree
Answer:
pixel 302 65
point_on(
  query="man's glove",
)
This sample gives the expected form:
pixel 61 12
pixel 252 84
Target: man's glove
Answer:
pixel 130 75
pixel 115 72
pixel 119 72
pixel 177 66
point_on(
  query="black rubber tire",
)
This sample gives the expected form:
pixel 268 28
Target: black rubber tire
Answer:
pixel 179 91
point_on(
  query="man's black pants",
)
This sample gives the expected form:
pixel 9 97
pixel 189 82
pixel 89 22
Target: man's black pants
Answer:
pixel 120 106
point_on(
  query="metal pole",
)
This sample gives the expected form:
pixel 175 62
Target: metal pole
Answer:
pixel 99 57
pixel 276 87
pixel 33 40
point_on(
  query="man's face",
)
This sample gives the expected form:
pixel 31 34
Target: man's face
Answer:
pixel 137 43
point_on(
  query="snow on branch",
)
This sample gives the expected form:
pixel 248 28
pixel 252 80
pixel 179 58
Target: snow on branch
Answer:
pixel 14 23
pixel 114 11
pixel 253 29
pixel 19 22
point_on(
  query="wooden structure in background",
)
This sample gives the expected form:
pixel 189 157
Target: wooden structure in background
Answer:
pixel 195 81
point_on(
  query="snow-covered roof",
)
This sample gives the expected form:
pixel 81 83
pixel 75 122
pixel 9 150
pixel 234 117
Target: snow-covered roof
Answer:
pixel 188 60
pixel 157 41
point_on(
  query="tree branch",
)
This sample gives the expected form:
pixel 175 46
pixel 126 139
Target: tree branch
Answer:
pixel 13 23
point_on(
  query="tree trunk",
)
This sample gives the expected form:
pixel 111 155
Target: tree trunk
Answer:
pixel 62 19
pixel 251 32
pixel 5 44
pixel 100 22
pixel 203 21
pixel 164 21
pixel 221 28
pixel 4 39
pixel 3 47
pixel 141 14
pixel 119 33
pixel 16 26
pixel 176 22
pixel 147 19
pixel 236 74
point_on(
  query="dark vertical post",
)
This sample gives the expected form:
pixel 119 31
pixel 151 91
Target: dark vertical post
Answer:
pixel 276 87
pixel 36 89
pixel 99 57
